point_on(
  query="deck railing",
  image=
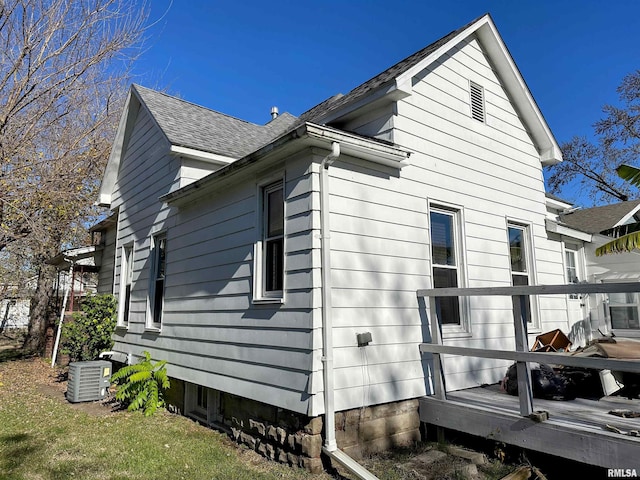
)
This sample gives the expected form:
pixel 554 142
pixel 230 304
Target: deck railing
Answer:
pixel 522 356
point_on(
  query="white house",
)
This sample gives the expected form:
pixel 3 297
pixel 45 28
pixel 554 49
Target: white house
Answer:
pixel 592 227
pixel 275 266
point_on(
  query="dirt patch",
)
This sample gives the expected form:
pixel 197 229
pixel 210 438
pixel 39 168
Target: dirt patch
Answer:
pixel 434 461
pixel 51 382
pixel 98 408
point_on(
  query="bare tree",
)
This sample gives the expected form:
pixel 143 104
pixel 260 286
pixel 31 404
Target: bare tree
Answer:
pixel 592 165
pixel 63 74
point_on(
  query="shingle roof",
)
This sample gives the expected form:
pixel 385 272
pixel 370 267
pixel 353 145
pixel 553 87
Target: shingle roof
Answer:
pixel 316 113
pixel 189 125
pixel 599 219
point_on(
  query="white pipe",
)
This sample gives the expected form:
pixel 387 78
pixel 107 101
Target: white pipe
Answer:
pixel 54 354
pixel 327 324
pixel 330 447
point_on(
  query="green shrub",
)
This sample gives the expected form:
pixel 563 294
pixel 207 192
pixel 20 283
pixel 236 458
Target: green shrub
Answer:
pixel 90 331
pixel 142 385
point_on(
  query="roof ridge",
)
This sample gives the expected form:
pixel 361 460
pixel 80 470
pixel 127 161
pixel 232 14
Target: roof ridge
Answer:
pixel 173 97
pixel 608 206
pixel 402 65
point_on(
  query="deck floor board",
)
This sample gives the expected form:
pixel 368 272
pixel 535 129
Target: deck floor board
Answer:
pixel 582 411
pixel 576 429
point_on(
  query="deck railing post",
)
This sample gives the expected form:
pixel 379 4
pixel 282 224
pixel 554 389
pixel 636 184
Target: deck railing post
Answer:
pixel 438 380
pixel 520 319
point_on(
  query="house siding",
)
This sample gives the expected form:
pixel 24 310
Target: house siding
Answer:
pixel 212 333
pixel 146 172
pixel 378 257
pixel 619 267
pixel 380 232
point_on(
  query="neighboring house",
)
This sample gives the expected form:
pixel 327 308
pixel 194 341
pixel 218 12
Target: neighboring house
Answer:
pixel 104 238
pixel 618 313
pixel 15 305
pixel 253 257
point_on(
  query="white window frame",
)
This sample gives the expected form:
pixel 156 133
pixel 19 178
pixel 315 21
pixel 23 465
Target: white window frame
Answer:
pixel 156 238
pixel 126 279
pixel 624 332
pixel 209 415
pixel 260 293
pixel 577 252
pixel 530 273
pixel 463 327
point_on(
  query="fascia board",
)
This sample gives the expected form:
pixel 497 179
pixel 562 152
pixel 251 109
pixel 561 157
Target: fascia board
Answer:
pixel 629 214
pixel 555 227
pixel 519 92
pixel 390 91
pixel 130 112
pixel 195 154
pixel 359 147
pixel 74 253
pixel 113 164
pixel 508 72
pixel 307 135
pixel 553 203
pixel 405 78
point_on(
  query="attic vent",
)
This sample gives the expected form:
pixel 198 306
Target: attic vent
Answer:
pixel 477 101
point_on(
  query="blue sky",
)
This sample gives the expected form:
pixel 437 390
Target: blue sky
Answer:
pixel 243 57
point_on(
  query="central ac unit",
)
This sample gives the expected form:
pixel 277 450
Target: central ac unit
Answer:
pixel 88 381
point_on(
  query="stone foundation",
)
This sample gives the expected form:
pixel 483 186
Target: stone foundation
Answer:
pixel 297 439
pixel 277 434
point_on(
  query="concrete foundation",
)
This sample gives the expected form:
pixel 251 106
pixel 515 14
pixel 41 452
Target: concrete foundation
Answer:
pixel 378 428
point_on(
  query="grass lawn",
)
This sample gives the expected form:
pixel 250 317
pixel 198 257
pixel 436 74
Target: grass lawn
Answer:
pixel 44 437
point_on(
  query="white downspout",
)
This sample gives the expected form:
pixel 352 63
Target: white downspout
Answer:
pixel 327 323
pixel 330 447
pixel 54 354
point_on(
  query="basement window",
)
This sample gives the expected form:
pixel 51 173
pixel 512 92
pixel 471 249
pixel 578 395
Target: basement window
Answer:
pixel 477 101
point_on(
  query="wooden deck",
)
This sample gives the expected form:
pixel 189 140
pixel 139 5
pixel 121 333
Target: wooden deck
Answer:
pixel 576 429
pixel 580 430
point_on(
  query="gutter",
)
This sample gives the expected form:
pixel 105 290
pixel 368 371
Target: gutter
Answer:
pixel 330 447
pixel 307 134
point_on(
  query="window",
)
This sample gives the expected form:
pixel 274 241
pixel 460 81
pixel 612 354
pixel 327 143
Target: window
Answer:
pixel 623 308
pixel 518 252
pixel 158 255
pixel 477 101
pixel 445 261
pixel 203 404
pixel 571 266
pixel 197 404
pixel 272 241
pixel 201 397
pixel 126 281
